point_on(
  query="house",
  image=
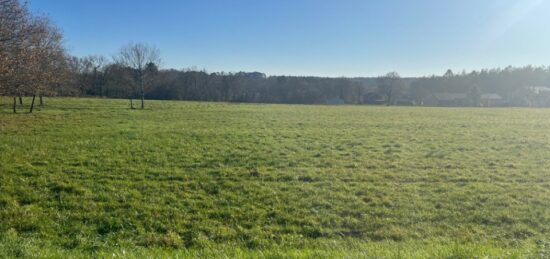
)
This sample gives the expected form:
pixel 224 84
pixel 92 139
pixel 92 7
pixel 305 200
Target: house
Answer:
pixel 538 96
pixel 373 98
pixel 539 89
pixel 491 99
pixel 335 101
pixel 404 102
pixel 446 99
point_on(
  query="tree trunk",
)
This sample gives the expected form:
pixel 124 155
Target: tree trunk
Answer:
pixel 20 100
pixel 32 103
pixel 131 104
pixel 14 104
pixel 142 94
pixel 41 101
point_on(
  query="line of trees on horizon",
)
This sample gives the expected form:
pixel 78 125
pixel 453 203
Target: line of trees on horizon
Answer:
pixel 523 86
pixel 527 86
pixel 33 62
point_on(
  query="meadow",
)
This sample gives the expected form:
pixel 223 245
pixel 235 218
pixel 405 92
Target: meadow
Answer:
pixel 92 178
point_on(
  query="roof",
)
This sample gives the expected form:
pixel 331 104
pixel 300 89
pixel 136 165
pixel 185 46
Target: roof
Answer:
pixel 539 89
pixel 450 96
pixel 336 100
pixel 491 97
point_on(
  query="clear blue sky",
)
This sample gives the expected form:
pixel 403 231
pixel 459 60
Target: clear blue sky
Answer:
pixel 313 37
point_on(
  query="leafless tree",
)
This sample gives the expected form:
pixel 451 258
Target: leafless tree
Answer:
pixel 390 85
pixel 47 60
pixel 94 66
pixel 14 32
pixel 140 57
pixel 31 52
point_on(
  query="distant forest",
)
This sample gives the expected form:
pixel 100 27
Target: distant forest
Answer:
pixel 525 86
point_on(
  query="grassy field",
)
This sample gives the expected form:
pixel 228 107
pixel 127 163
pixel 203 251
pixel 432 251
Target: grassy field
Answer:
pixel 90 177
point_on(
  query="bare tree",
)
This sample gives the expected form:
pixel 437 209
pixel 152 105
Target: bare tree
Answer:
pixel 14 33
pixel 30 52
pixel 94 67
pixel 390 85
pixel 140 57
pixel 47 60
pixel 119 81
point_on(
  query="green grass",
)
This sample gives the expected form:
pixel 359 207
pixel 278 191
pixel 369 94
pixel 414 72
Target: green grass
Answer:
pixel 90 177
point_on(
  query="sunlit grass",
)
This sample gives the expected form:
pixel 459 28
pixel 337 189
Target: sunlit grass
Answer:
pixel 85 177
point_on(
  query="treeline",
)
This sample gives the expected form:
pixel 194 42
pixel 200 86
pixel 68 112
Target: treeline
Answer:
pixel 503 81
pixel 523 86
pixel 171 84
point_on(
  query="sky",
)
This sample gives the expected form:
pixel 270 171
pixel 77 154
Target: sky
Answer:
pixel 330 38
